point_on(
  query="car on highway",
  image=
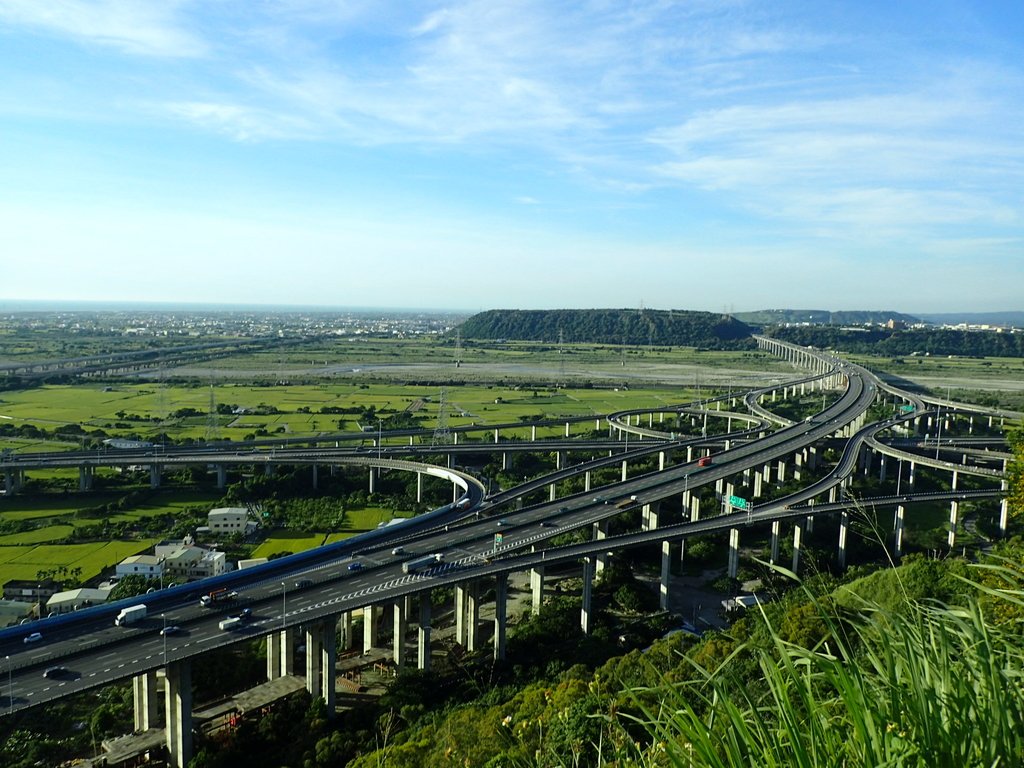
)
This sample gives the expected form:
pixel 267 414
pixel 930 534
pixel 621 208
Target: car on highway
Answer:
pixel 245 614
pixel 303 583
pixel 398 551
pixel 35 637
pixel 171 629
pixel 548 524
pixel 355 566
pixel 502 523
pixel 55 672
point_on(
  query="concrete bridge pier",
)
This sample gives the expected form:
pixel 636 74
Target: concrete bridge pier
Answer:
pixel 178 712
pixel 588 583
pixel 273 656
pixel 321 658
pixel 344 627
pixel 649 515
pixel 460 614
pixel 882 468
pixel 144 695
pixel 586 481
pixel 314 471
pixel 623 470
pixel 473 616
pixel 666 574
pixel 537 588
pixel 370 631
pixel 154 479
pixel 776 525
pixel 734 552
pixel 500 615
pixel 419 486
pixel 504 460
pixel 600 531
pixel 400 617
pixel 844 524
pixel 954 511
pixel 495 436
pixel 423 633
pixel 798 535
pixel 372 488
pixel 1004 506
pixel 898 529
pixel 781 473
pixel 222 476
pixel 328 663
pixel 910 477
pixel 552 493
pixel 85 475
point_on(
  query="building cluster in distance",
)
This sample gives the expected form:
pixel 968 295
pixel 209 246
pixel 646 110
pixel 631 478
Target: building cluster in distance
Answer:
pixel 259 323
pixel 172 562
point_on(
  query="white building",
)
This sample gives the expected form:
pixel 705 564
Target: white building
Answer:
pixel 73 599
pixel 147 566
pixel 228 520
pixel 192 563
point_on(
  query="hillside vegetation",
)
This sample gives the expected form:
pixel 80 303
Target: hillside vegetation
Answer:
pixel 610 326
pixel 883 341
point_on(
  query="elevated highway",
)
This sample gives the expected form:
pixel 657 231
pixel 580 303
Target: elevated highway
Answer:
pixel 477 539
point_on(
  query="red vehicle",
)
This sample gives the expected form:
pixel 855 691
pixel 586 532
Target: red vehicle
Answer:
pixel 704 462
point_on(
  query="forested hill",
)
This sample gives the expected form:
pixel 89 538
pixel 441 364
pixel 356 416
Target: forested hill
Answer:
pixel 912 342
pixel 610 326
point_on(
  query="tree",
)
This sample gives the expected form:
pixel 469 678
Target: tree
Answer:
pixel 130 586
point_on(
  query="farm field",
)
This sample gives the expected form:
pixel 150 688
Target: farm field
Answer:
pixel 356 521
pixel 144 411
pixel 26 561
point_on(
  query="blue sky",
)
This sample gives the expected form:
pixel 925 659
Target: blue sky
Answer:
pixel 476 155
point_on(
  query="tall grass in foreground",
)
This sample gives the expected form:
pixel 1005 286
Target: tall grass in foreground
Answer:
pixel 929 686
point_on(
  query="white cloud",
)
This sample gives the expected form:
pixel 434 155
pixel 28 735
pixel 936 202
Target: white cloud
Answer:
pixel 134 26
pixel 882 165
pixel 240 123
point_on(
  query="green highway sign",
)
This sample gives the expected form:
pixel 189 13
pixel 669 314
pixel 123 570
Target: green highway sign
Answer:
pixel 907 408
pixel 736 501
pixel 497 538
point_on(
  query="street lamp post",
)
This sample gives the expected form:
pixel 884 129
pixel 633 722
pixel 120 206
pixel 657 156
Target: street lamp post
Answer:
pixel 284 604
pixel 380 425
pixel 164 633
pixel 10 685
